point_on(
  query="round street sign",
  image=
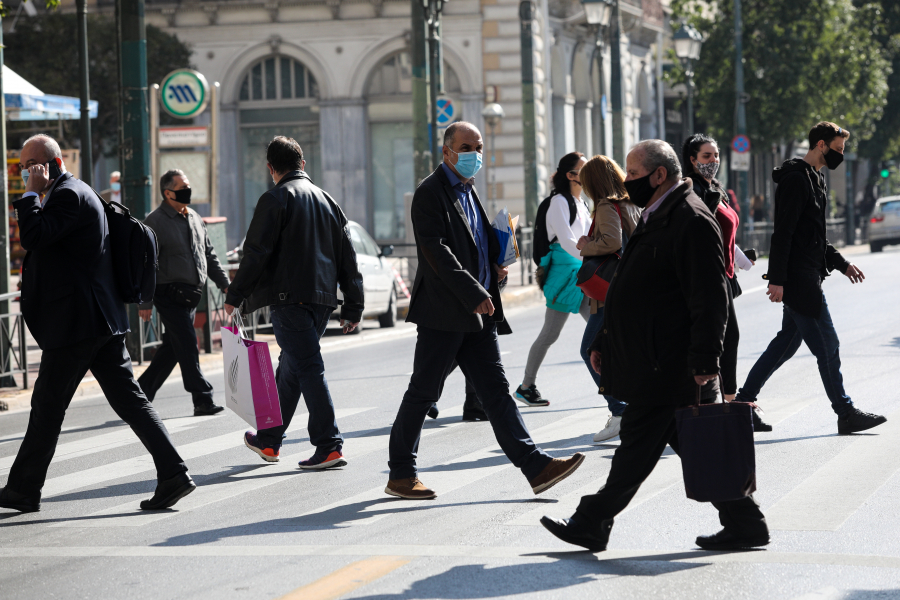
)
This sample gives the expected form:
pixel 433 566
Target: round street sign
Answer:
pixel 184 93
pixel 741 143
pixel 446 111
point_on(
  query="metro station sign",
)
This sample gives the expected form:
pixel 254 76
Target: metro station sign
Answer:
pixel 184 93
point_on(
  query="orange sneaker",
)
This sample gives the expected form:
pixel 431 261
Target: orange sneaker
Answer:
pixel 331 460
pixel 266 453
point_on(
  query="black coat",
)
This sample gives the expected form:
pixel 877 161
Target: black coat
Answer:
pixel 298 250
pixel 446 291
pixel 800 256
pixel 69 291
pixel 667 306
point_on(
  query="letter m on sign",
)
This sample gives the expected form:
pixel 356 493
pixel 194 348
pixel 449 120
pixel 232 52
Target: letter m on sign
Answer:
pixel 183 93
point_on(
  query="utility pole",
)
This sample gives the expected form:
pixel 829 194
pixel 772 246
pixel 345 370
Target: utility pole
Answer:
pixel 134 125
pixel 616 88
pixel 529 131
pixel 87 160
pixel 741 116
pixel 436 74
pixel 420 84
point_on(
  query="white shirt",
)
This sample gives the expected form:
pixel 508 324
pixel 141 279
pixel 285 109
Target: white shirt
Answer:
pixel 558 223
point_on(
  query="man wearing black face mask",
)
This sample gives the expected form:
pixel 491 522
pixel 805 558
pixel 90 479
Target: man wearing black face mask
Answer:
pixel 186 256
pixel 800 259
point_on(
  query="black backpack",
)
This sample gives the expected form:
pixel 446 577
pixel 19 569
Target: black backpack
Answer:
pixel 541 244
pixel 135 254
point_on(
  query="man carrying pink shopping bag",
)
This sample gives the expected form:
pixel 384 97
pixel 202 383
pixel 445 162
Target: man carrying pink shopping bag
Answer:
pixel 296 253
pixel 250 388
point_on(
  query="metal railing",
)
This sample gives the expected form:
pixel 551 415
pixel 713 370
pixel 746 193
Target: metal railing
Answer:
pixel 525 240
pixel 759 235
pixel 13 344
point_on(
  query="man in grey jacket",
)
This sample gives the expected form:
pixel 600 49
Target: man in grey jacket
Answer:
pixel 186 257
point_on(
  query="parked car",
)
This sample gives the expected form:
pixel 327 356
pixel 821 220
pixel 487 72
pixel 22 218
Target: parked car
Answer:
pixel 884 226
pixel 378 277
pixel 377 273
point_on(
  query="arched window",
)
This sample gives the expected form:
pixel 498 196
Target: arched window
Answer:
pixel 278 96
pixel 389 95
pixel 279 78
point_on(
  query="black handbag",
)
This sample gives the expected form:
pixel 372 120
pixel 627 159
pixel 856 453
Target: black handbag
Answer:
pixel 718 457
pixel 184 294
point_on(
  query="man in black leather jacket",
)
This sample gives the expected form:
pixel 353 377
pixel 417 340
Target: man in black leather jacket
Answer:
pixel 296 253
pixel 801 257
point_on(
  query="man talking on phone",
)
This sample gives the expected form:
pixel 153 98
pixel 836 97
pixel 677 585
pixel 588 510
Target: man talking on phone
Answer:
pixel 72 306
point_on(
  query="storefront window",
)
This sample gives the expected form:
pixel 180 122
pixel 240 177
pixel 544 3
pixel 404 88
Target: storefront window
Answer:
pixel 279 96
pixel 389 94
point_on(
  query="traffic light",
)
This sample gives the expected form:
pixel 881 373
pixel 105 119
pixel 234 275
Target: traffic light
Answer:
pixel 885 173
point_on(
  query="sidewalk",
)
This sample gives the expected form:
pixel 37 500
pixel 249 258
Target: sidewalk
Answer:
pixel 513 296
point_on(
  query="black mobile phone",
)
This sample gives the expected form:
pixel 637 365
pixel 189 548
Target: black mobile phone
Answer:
pixel 55 168
pixel 751 254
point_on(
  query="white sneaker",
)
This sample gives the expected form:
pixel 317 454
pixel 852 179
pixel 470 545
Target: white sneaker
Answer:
pixel 613 426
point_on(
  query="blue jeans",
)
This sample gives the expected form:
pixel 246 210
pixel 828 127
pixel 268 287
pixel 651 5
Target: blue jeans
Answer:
pixel 594 324
pixel 822 341
pixel 301 370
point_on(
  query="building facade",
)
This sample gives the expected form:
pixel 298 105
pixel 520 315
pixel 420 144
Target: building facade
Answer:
pixel 335 75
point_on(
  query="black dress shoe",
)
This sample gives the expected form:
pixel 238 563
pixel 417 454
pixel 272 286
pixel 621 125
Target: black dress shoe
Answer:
pixel 204 410
pixel 573 532
pixel 474 415
pixel 725 540
pixel 19 502
pixel 433 412
pixel 758 423
pixel 169 492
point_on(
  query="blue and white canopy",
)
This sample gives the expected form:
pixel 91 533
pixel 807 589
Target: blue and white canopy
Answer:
pixel 24 102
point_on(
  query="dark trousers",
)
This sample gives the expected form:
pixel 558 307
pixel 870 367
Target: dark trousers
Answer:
pixel 60 373
pixel 478 355
pixel 645 433
pixel 730 349
pixel 822 341
pixel 179 347
pixel 593 327
pixel 301 371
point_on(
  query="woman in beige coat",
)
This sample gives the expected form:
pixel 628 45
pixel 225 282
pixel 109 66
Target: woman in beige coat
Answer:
pixel 603 182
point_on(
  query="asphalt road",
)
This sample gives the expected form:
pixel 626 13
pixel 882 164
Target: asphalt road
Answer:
pixel 260 531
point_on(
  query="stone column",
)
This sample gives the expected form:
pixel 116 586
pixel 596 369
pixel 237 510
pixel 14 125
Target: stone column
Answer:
pixel 584 127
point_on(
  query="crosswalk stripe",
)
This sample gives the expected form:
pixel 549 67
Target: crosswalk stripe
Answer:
pixel 445 482
pixel 240 483
pixel 140 464
pixel 346 579
pixel 107 441
pixel 475 553
pixel 825 500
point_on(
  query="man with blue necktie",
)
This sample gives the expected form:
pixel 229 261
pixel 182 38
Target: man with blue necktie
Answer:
pixel 456 305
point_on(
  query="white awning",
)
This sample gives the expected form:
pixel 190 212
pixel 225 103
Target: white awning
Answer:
pixel 25 102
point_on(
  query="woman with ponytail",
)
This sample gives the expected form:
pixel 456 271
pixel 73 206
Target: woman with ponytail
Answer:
pixel 567 219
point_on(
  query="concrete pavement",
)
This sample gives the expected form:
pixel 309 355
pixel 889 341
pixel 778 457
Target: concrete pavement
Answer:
pixel 254 530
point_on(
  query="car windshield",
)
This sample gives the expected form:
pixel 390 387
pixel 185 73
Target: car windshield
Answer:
pixel 892 206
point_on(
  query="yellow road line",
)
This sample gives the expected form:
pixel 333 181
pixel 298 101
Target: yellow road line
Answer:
pixel 345 580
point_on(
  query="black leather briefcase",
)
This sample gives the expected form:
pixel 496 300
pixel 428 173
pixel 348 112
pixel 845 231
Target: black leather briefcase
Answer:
pixel 718 457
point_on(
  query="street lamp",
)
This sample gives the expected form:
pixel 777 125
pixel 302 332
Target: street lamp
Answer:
pixel 492 114
pixel 598 12
pixel 687 48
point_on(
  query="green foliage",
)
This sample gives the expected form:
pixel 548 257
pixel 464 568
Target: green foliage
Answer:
pixel 885 141
pixel 43 51
pixel 804 61
pixel 50 4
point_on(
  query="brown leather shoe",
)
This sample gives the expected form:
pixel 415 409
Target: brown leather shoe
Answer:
pixel 411 489
pixel 556 471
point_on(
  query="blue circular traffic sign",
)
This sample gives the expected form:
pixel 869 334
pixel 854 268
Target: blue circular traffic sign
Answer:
pixel 446 111
pixel 740 143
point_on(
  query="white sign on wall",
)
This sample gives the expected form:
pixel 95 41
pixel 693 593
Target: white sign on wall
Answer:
pixel 183 137
pixel 196 168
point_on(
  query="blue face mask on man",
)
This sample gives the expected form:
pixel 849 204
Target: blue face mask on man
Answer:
pixel 115 186
pixel 467 163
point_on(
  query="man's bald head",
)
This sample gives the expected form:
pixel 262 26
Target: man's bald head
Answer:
pixel 41 148
pixel 459 127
